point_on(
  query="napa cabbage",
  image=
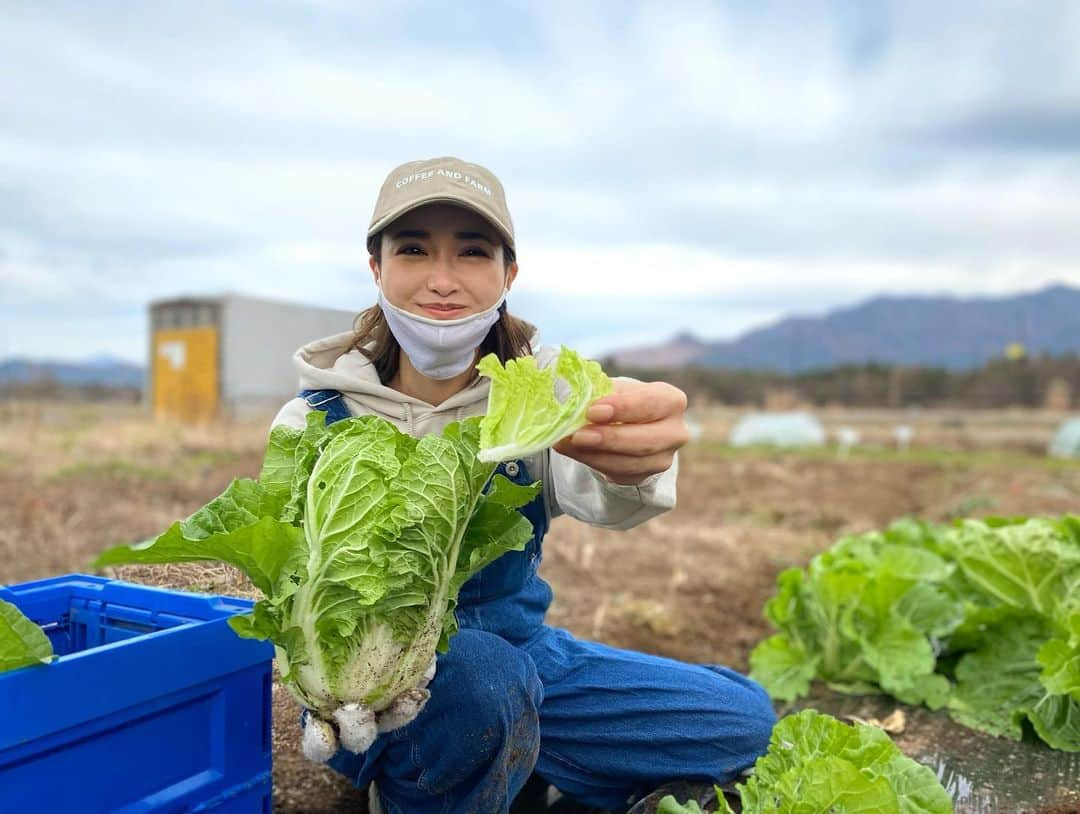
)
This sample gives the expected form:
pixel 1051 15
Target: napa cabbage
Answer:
pixel 816 764
pixel 981 618
pixel 360 536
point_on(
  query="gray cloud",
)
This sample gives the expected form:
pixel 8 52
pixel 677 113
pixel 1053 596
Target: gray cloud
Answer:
pixel 151 149
pixel 1021 129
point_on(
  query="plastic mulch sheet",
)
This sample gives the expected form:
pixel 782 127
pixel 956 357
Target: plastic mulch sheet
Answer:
pixel 984 774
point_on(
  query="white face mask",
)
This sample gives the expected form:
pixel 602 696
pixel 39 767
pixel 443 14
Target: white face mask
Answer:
pixel 439 348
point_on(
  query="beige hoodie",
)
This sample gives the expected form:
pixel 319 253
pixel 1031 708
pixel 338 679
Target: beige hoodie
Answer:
pixel 570 487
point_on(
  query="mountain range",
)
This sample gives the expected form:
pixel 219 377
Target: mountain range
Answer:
pixel 950 332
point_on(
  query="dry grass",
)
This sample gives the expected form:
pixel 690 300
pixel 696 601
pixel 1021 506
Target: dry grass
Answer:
pixel 46 440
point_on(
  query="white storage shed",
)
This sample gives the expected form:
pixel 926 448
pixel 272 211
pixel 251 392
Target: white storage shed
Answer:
pixel 229 353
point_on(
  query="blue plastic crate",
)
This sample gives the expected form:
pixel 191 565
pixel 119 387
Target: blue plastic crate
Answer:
pixel 154 704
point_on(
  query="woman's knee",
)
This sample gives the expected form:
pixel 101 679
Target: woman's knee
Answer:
pixel 762 718
pixel 746 715
pixel 484 710
pixel 483 672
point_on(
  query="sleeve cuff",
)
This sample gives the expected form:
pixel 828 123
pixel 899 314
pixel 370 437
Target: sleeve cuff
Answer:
pixel 628 489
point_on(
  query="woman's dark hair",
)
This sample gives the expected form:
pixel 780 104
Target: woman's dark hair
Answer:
pixel 509 338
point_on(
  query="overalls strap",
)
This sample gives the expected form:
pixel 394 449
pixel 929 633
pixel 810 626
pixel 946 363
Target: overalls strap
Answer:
pixel 330 402
pixel 507 596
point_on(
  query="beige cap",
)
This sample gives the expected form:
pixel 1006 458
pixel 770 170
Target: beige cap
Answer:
pixel 446 180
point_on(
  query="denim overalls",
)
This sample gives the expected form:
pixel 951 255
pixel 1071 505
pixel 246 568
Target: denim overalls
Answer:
pixel 514 696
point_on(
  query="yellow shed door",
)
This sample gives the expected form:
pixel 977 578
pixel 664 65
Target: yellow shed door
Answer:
pixel 185 373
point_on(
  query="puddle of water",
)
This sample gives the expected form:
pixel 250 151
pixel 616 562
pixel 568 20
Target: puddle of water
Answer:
pixel 983 774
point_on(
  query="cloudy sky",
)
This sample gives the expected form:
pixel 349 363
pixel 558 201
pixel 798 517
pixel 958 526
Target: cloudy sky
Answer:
pixel 669 165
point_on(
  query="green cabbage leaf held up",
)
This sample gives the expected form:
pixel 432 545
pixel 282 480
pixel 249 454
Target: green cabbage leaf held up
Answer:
pixel 524 415
pixel 360 536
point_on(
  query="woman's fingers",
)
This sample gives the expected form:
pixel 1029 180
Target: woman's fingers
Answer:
pixel 625 469
pixel 633 433
pixel 320 740
pixel 403 709
pixel 638 403
pixel 632 439
pixel 357 729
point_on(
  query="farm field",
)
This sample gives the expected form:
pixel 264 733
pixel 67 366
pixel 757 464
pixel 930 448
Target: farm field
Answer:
pixel 75 479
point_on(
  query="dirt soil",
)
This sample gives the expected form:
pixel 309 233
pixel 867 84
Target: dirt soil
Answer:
pixel 690 584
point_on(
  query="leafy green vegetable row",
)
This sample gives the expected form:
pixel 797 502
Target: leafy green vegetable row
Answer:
pixel 981 618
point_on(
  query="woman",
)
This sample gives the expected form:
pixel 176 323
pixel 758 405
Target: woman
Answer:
pixel 514 696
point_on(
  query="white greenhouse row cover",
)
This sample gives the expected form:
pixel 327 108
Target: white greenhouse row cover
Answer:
pixel 778 429
pixel 1066 442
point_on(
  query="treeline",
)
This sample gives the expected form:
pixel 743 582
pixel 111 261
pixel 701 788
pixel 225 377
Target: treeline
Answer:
pixel 47 388
pixel 1043 381
pixel 1052 382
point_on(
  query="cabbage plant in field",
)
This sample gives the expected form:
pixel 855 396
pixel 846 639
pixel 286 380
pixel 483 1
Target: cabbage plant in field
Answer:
pixel 982 618
pixel 817 765
pixel 360 537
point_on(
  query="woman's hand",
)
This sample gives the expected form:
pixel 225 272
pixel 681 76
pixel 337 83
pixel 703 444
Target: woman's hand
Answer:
pixel 633 433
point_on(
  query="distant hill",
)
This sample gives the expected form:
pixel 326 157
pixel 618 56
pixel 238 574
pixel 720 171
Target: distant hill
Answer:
pixel 949 332
pixel 103 371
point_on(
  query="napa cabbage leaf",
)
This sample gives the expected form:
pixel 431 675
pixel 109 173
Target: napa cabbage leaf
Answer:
pixel 525 413
pixel 22 642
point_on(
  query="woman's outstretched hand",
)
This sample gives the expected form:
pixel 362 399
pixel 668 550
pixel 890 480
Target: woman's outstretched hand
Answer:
pixel 632 433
